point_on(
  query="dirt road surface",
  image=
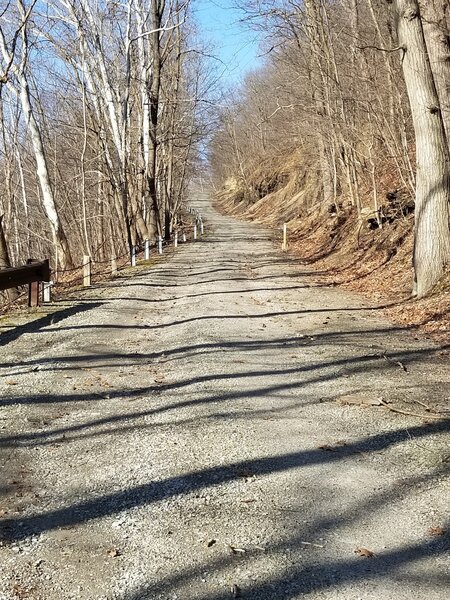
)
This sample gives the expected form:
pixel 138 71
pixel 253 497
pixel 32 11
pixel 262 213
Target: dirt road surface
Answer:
pixel 213 428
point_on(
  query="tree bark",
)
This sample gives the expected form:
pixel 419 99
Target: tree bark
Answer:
pixel 437 38
pixel 432 234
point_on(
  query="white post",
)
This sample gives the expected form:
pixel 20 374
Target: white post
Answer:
pixel 284 245
pixel 184 238
pixel 160 246
pixel 47 291
pixel 201 226
pixel 113 265
pixel 133 256
pixel 147 249
pixel 86 271
pixel 195 231
pixel 175 240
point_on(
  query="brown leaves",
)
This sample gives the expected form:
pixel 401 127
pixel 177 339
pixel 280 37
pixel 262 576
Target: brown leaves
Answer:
pixel 20 592
pixel 339 445
pixel 436 531
pixel 358 400
pixel 113 552
pixel 364 552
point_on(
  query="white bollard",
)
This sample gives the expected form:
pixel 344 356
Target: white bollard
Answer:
pixel 160 245
pixel 86 271
pixel 175 240
pixel 113 266
pixel 195 231
pixel 147 249
pixel 133 256
pixel 284 245
pixel 47 291
pixel 184 238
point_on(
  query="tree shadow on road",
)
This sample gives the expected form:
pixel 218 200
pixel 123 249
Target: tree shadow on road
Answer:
pixel 54 317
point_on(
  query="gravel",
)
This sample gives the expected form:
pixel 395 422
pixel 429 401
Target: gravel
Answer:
pixel 186 433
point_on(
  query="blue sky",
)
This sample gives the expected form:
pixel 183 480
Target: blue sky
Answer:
pixel 234 43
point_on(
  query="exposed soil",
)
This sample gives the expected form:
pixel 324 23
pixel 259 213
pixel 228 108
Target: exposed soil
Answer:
pixel 222 425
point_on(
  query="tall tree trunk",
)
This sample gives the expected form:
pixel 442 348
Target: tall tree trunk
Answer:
pixel 437 38
pixel 432 233
pixel 64 257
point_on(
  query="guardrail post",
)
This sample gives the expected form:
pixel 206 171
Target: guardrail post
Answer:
pixel 33 289
pixel 147 249
pixel 86 271
pixel 33 294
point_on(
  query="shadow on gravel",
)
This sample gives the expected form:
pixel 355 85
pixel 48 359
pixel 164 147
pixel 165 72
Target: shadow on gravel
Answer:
pixel 50 319
pixel 200 294
pixel 311 576
pixel 133 420
pixel 337 338
pixel 333 370
pixel 14 529
pixel 267 315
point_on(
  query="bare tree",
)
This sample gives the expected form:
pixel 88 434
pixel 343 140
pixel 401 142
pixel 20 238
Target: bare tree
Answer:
pixel 432 234
pixel 17 81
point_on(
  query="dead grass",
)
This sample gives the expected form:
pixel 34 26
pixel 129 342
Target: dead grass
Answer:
pixel 339 249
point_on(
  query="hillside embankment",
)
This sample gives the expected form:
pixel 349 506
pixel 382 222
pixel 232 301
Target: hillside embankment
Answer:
pixel 357 252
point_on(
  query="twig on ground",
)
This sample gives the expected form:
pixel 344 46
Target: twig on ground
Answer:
pixel 394 362
pixel 412 414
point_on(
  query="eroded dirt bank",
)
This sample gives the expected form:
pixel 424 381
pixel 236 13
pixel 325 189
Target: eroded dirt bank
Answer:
pixel 215 428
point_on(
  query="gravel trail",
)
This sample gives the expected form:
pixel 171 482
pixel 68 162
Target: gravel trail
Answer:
pixel 214 428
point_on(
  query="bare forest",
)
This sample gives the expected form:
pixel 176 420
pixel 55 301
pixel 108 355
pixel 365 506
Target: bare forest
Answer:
pixel 107 109
pixel 344 134
pixel 101 117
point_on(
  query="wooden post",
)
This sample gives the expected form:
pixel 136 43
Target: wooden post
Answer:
pixel 147 249
pixel 113 265
pixel 133 256
pixel 33 294
pixel 175 240
pixel 160 245
pixel 86 271
pixel 33 289
pixel 284 246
